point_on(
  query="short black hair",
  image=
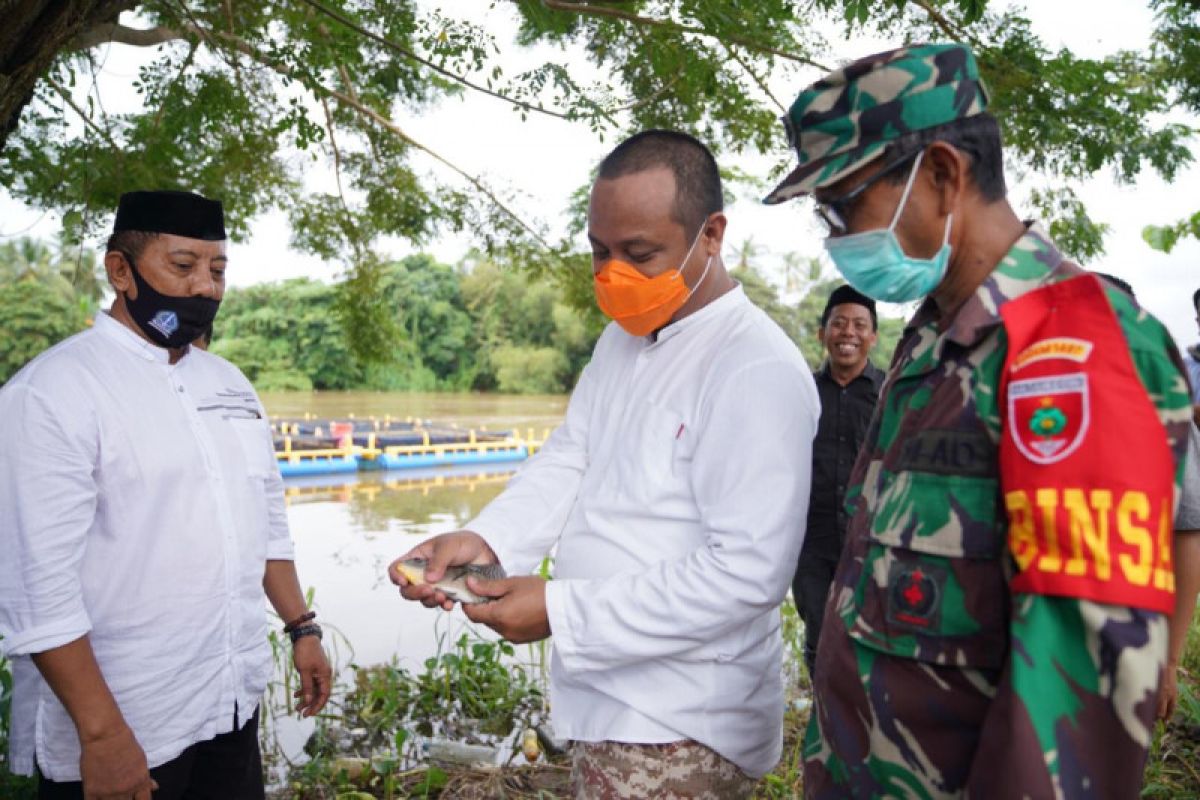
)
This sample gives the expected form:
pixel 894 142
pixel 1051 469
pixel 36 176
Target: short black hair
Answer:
pixel 131 243
pixel 1196 301
pixel 697 178
pixel 978 136
pixel 848 294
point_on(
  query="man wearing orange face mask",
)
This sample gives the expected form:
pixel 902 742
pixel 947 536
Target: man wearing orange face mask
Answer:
pixel 675 492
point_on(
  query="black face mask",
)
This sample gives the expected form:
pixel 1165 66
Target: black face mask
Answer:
pixel 168 321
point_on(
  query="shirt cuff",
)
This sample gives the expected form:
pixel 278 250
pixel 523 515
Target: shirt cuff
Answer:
pixel 281 550
pixel 494 537
pixel 21 765
pixel 45 637
pixel 561 632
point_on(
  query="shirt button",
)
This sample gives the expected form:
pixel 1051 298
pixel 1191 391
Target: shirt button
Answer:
pixel 180 388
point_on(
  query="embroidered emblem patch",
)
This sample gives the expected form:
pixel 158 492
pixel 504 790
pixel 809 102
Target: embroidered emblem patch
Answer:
pixel 915 595
pixel 165 322
pixel 1048 417
pixel 1067 347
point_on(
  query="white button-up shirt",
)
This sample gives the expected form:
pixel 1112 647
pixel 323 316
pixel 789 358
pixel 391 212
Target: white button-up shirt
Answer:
pixel 676 491
pixel 139 503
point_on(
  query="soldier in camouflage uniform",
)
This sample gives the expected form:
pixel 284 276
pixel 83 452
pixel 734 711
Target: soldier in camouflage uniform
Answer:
pixel 997 625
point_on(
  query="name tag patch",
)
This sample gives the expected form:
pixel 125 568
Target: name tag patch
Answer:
pixel 950 452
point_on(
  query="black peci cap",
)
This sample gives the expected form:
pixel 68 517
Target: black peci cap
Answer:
pixel 848 294
pixel 178 213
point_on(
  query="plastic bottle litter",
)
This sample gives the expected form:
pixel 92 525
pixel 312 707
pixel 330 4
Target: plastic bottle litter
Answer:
pixel 447 751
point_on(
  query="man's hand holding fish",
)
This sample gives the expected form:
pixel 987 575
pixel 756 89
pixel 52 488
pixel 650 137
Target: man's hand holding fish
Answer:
pixel 518 610
pixel 448 559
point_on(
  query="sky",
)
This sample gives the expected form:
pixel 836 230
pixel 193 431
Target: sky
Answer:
pixel 543 160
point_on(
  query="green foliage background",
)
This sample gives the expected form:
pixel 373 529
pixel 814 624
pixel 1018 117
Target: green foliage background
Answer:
pixel 472 327
pixel 50 293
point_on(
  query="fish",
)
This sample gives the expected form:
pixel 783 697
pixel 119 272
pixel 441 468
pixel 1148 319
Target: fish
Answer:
pixel 454 583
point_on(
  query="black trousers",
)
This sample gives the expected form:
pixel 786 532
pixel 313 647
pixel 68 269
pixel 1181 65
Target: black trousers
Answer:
pixel 228 767
pixel 810 590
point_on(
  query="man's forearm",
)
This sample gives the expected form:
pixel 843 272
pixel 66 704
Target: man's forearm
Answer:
pixel 1187 586
pixel 73 674
pixel 282 586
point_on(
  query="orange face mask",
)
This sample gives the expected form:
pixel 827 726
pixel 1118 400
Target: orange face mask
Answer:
pixel 639 304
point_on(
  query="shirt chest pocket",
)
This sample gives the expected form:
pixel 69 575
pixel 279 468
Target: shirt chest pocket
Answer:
pixel 644 450
pixel 254 446
pixel 932 586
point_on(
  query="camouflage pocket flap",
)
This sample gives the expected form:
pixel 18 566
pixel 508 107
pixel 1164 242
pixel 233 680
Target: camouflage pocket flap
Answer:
pixel 945 515
pixel 931 608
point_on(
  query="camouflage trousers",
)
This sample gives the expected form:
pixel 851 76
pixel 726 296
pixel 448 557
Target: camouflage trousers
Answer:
pixel 686 769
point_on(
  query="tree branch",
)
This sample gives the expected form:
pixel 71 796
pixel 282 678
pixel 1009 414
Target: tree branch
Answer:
pixel 650 98
pixel 586 9
pixel 88 121
pixel 445 73
pixel 754 76
pixel 941 21
pixel 337 172
pixel 117 33
pixel 187 62
pixel 387 124
pixel 363 109
pixel 349 84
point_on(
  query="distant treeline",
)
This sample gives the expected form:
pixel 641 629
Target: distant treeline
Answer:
pixel 478 328
pixel 474 327
pixel 471 327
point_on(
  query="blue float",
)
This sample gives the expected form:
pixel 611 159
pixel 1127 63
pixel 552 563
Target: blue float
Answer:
pixel 446 458
pixel 319 465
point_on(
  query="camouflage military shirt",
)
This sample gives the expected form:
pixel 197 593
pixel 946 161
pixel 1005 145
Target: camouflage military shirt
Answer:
pixel 974 690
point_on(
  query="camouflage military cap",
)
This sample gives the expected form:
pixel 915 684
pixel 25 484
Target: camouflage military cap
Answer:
pixel 846 120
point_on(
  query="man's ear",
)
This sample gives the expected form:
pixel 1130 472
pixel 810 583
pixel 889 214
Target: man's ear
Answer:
pixel 949 170
pixel 821 334
pixel 120 273
pixel 714 234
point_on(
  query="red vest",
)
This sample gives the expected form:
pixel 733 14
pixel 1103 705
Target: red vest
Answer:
pixel 1085 467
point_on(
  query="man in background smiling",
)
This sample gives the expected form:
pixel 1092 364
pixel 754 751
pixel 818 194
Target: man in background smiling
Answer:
pixel 848 385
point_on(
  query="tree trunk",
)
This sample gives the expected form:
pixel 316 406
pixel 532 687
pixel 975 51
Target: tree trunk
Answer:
pixel 32 32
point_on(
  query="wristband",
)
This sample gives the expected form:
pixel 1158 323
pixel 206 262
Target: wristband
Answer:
pixel 308 616
pixel 310 629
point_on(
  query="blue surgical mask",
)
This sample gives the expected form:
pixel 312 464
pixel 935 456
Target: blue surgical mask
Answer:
pixel 874 263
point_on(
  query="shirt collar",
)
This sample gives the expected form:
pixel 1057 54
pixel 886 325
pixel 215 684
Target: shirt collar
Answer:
pixel 106 325
pixel 871 373
pixel 1029 263
pixel 726 302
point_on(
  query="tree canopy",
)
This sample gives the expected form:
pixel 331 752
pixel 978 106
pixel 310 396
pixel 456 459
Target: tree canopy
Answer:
pixel 51 293
pixel 240 99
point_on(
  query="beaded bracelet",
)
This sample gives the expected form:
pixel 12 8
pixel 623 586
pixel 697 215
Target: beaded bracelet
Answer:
pixel 311 629
pixel 308 616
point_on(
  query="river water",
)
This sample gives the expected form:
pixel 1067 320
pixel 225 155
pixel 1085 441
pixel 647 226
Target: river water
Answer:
pixel 347 529
pixel 491 411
